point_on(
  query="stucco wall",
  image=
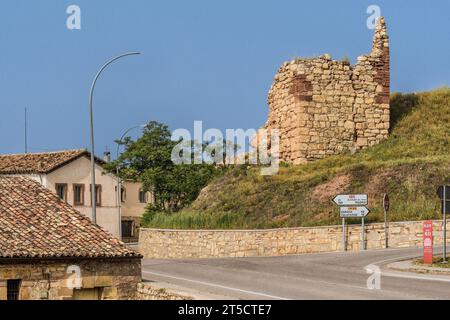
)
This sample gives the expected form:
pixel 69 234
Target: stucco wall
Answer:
pixel 79 172
pixel 132 207
pixel 49 280
pixel 169 244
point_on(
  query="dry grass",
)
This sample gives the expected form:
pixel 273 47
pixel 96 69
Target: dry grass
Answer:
pixel 409 165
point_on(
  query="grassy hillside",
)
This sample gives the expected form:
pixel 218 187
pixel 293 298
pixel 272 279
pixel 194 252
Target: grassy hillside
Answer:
pixel 408 166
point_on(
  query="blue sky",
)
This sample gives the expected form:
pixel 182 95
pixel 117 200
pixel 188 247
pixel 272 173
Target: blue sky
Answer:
pixel 203 60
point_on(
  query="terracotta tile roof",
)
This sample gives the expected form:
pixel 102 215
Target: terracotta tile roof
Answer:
pixel 35 223
pixel 39 163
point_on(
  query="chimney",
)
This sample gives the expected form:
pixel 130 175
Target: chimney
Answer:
pixel 107 156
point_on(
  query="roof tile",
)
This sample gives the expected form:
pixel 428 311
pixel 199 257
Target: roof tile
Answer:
pixel 34 222
pixel 38 163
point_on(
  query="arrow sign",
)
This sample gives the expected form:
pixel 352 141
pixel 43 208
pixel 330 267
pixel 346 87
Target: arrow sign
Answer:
pixel 354 212
pixel 351 199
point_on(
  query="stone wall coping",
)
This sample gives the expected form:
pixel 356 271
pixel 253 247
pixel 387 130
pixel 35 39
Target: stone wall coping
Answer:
pixel 285 229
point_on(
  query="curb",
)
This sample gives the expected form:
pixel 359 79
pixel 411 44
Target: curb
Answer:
pixel 409 266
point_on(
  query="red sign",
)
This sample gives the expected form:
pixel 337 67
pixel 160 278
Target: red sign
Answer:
pixel 428 242
pixel 386 202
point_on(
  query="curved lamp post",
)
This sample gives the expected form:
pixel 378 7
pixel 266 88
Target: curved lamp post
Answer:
pixel 119 189
pixel 93 195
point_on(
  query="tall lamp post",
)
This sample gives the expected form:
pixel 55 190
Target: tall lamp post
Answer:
pixel 119 189
pixel 93 195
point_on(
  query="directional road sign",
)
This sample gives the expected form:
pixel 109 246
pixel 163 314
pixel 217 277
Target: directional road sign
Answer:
pixel 354 212
pixel 351 199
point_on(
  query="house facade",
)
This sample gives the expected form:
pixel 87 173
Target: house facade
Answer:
pixel 68 175
pixel 50 251
pixel 134 202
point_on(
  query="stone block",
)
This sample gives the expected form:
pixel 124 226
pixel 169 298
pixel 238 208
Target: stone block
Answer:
pixel 3 293
pixel 109 293
pixel 103 281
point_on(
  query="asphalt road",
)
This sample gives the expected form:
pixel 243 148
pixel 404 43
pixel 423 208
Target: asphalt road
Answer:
pixel 310 276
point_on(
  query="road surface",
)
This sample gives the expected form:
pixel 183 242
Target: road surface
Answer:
pixel 340 275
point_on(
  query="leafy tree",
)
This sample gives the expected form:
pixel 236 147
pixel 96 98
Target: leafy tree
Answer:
pixel 148 159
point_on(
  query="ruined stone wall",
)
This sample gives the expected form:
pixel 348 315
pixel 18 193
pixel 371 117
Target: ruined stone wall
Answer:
pixel 323 107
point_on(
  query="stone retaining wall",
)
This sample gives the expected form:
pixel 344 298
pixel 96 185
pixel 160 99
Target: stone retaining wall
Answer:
pixel 147 291
pixel 173 244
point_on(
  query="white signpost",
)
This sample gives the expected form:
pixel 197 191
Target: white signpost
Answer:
pixel 353 212
pixel 351 199
pixel 352 206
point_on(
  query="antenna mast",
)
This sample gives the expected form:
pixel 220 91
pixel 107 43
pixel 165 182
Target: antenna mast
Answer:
pixel 26 133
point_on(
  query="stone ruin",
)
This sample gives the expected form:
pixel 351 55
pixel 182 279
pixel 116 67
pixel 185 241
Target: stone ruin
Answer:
pixel 323 107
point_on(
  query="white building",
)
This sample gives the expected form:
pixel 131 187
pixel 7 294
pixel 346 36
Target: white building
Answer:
pixel 68 174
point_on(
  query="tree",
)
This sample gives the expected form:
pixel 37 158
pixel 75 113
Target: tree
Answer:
pixel 148 159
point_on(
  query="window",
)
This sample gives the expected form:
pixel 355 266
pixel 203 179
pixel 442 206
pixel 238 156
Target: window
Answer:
pixel 142 196
pixel 61 191
pixel 123 193
pixel 13 287
pixel 78 194
pixel 98 194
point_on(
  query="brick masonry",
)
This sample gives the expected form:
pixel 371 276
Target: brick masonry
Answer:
pixel 323 107
pixel 179 244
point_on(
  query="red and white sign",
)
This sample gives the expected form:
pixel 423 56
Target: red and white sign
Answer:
pixel 351 199
pixel 353 212
pixel 428 242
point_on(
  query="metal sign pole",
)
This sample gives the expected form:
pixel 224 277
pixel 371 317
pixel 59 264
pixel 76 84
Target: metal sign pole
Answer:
pixel 351 206
pixel 444 254
pixel 385 222
pixel 363 247
pixel 386 244
pixel 344 247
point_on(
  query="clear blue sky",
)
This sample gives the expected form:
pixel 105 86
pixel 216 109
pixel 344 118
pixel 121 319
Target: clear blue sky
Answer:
pixel 203 60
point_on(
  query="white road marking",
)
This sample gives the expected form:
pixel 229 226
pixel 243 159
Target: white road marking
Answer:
pixel 404 274
pixel 416 277
pixel 217 285
pixel 395 259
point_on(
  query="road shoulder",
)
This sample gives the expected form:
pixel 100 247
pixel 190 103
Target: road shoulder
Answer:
pixel 411 266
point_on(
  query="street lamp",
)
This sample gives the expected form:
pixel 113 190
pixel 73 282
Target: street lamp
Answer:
pixel 119 189
pixel 93 195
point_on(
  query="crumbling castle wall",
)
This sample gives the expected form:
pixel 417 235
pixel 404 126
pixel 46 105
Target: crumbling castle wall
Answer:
pixel 323 107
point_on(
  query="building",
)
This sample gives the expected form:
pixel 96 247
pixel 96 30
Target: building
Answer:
pixel 321 107
pixel 49 250
pixel 134 203
pixel 68 174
